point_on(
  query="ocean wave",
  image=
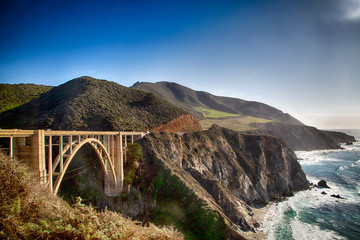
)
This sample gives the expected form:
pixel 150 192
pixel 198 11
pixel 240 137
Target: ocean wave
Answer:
pixel 305 231
pixel 314 214
pixel 342 168
pixel 317 157
pixel 283 222
pixel 355 164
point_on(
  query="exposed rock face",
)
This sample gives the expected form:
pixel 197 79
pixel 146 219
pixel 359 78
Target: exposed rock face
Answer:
pixel 322 183
pixel 229 170
pixel 340 137
pixel 184 123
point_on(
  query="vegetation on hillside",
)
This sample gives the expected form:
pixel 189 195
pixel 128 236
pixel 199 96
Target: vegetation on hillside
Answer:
pixel 177 205
pixel 90 104
pixel 132 164
pixel 27 211
pixel 212 113
pixel 205 105
pixel 14 95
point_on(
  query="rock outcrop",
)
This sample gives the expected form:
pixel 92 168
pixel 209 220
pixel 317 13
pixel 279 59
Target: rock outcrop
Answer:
pixel 340 137
pixel 322 183
pixel 304 138
pixel 228 170
pixel 184 123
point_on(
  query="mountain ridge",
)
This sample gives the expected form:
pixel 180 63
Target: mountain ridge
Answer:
pixel 190 99
pixel 246 116
pixel 86 103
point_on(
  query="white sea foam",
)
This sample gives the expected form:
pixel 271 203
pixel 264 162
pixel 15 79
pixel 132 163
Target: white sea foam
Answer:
pixel 289 219
pixel 342 168
pixel 305 231
pixel 355 164
pixel 317 157
pixel 275 217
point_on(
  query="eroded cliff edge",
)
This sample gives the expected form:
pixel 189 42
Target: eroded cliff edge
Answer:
pixel 229 171
pixel 304 138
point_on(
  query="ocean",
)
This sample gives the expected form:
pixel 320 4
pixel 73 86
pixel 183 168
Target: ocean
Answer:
pixel 311 214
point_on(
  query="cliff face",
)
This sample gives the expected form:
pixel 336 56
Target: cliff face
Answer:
pixel 304 137
pixel 229 171
pixel 340 137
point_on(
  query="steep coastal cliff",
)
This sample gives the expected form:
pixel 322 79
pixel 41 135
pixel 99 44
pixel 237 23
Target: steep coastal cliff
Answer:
pixel 229 171
pixel 300 137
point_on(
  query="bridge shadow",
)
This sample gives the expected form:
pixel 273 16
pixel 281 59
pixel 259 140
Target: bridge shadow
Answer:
pixel 85 178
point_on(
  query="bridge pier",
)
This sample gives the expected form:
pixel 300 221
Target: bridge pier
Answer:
pixel 37 161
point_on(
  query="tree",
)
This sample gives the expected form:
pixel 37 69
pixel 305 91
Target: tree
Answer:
pixel 132 164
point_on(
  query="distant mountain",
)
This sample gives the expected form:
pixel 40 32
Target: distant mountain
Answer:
pixel 234 113
pixel 86 103
pixel 241 115
pixel 14 95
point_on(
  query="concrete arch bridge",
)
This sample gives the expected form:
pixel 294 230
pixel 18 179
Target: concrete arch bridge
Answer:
pixel 49 153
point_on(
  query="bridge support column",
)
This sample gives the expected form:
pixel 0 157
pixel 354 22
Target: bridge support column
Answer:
pixel 119 162
pixel 114 146
pixel 37 164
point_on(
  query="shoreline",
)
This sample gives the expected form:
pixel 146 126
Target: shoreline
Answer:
pixel 260 215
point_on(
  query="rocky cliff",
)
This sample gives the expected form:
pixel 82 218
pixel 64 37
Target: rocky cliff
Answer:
pixel 184 123
pixel 229 171
pixel 340 137
pixel 304 137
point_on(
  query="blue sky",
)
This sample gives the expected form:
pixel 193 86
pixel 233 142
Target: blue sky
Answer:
pixel 302 57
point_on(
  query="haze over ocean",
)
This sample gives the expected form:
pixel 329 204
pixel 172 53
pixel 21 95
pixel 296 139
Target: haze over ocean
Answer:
pixel 299 56
pixel 313 215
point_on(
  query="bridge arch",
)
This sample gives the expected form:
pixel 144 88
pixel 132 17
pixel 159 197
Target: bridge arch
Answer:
pixel 101 152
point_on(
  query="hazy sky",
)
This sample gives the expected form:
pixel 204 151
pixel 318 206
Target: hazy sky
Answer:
pixel 301 56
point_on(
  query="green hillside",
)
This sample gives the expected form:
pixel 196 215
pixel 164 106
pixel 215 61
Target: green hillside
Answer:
pixel 228 112
pixel 14 95
pixel 86 103
pixel 235 123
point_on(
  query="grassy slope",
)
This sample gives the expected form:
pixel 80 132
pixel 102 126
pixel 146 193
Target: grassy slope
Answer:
pixel 211 113
pixel 14 95
pixel 233 113
pixel 235 123
pixel 27 211
pixel 91 104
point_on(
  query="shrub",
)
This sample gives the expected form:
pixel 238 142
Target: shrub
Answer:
pixel 132 164
pixel 29 211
